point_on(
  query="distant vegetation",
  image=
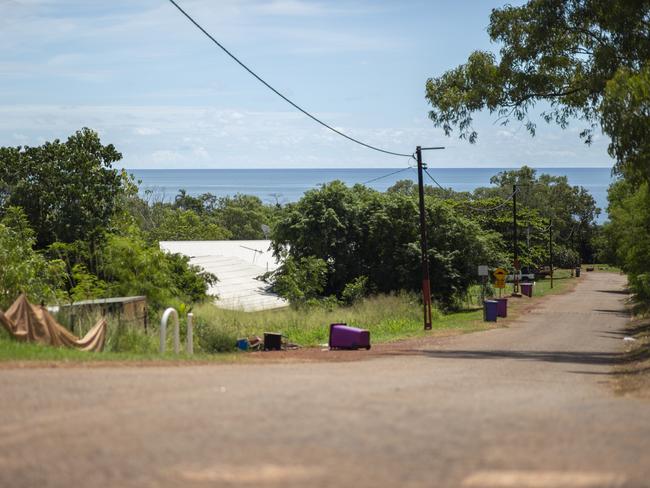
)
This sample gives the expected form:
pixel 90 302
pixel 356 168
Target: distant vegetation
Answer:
pixel 73 228
pixel 588 62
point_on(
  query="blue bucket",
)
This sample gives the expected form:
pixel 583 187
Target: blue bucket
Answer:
pixel 242 344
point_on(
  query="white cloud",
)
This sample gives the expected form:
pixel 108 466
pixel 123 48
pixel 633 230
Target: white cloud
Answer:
pixel 213 137
pixel 146 131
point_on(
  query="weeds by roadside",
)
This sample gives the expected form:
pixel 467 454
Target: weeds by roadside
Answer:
pixel 388 317
pixel 633 376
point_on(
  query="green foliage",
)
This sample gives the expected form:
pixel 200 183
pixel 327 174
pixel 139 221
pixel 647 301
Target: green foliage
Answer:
pixel 131 267
pixel 587 58
pixel 299 279
pixel 86 285
pixel 22 269
pixel 358 232
pixel 243 216
pixel 355 291
pixel 626 119
pixel 540 200
pixel 629 234
pixel 67 190
pixel 213 337
pixel 172 224
pixel 388 317
pixel 125 338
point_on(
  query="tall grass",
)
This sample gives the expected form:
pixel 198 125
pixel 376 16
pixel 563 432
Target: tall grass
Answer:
pixel 386 316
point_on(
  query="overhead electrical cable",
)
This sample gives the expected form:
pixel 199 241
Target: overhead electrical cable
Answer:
pixel 387 175
pixel 296 106
pixel 434 180
pixel 491 209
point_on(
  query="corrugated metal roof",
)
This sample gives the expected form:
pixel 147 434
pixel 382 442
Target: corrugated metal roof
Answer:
pixel 101 301
pixel 237 265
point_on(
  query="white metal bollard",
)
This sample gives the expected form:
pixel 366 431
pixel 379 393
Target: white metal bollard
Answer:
pixel 189 343
pixel 163 330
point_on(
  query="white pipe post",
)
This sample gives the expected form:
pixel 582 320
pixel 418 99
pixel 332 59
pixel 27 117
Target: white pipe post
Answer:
pixel 163 330
pixel 189 343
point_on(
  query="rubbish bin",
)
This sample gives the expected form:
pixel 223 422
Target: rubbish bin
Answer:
pixel 490 310
pixel 578 272
pixel 526 289
pixel 502 307
pixel 344 337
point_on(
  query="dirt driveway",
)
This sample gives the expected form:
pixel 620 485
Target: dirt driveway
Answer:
pixel 526 406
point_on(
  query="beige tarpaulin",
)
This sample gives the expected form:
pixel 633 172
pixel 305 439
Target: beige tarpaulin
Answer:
pixel 31 323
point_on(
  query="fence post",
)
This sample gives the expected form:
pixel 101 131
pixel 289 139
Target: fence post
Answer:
pixel 189 345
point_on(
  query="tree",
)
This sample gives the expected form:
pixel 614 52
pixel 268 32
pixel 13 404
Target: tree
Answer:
pixel 628 233
pixel 369 241
pixel 172 224
pixel 24 270
pixel 243 216
pixel 68 191
pixel 586 58
pixel 571 208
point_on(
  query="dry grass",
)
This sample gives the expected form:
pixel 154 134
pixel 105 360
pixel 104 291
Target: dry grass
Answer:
pixel 633 376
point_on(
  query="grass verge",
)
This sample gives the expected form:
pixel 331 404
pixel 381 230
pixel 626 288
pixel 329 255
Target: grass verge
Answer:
pixel 388 317
pixel 633 376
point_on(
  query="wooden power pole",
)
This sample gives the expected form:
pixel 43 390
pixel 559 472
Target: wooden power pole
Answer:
pixel 426 283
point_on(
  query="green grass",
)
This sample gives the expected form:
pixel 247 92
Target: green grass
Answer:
pixel 388 317
pixel 11 350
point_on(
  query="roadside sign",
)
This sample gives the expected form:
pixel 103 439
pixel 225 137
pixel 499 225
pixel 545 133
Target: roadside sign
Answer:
pixel 483 270
pixel 500 275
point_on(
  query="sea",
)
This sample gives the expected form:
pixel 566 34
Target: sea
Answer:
pixel 288 185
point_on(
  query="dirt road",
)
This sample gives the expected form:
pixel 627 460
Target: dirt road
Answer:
pixel 527 406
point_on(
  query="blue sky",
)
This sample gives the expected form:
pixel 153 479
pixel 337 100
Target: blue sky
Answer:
pixel 150 83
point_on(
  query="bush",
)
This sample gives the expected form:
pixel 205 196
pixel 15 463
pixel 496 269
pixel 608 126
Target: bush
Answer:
pixel 131 339
pixel 21 268
pixel 355 290
pixel 213 337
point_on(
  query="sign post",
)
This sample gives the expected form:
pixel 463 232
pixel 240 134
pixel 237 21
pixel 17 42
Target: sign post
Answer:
pixel 483 273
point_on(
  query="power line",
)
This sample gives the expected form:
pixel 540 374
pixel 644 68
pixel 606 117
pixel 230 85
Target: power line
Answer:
pixel 387 175
pixel 492 209
pixel 476 208
pixel 256 76
pixel 434 180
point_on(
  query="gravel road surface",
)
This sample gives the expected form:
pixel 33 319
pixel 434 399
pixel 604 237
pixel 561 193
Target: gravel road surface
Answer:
pixel 530 405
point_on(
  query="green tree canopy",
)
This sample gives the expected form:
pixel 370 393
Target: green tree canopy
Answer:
pixel 23 270
pixel 364 236
pixel 586 58
pixel 68 190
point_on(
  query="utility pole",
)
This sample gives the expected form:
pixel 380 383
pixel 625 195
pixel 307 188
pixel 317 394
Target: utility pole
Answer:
pixel 550 248
pixel 515 288
pixel 426 283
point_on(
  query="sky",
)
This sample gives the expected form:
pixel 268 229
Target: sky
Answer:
pixel 150 83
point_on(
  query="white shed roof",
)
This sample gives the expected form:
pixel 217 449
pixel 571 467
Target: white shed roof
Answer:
pixel 237 264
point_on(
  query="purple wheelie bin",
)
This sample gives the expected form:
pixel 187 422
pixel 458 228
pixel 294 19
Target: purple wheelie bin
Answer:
pixel 502 307
pixel 526 289
pixel 344 337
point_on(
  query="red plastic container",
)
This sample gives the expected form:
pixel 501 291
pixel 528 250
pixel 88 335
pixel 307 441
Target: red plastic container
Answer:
pixel 344 337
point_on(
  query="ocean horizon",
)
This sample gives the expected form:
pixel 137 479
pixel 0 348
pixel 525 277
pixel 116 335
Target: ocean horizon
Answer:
pixel 284 185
